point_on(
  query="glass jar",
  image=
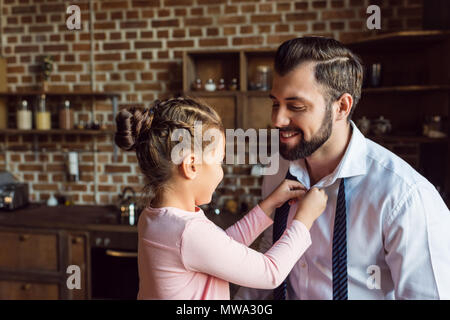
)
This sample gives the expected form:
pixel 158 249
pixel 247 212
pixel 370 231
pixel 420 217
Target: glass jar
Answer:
pixel 43 119
pixel 262 78
pixel 24 118
pixel 66 116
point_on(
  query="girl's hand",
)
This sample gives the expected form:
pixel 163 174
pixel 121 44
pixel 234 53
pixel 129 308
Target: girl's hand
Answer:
pixel 311 206
pixel 288 189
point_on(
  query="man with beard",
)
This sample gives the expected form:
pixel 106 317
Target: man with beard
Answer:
pixel 385 233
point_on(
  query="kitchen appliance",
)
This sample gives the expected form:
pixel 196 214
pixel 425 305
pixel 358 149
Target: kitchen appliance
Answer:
pixel 13 194
pixel 128 206
pixel 114 265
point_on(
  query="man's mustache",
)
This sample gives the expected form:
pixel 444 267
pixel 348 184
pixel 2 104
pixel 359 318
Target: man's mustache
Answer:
pixel 290 129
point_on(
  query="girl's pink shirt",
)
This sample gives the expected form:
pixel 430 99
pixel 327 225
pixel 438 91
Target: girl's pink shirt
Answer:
pixel 183 255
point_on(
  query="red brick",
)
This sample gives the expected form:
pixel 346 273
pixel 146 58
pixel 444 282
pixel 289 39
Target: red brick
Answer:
pixel 133 24
pixel 171 3
pixel 301 16
pixel 145 3
pixel 213 42
pixel 266 18
pixel 165 23
pixel 147 44
pixel 198 21
pixel 338 14
pixel 180 43
pixel 248 41
pixel 117 169
pixel 231 20
pixel 116 46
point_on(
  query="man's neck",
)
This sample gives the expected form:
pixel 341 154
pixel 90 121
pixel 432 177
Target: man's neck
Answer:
pixel 325 160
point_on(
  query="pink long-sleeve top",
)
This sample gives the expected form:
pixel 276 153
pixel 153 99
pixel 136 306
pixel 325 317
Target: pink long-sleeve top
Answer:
pixel 183 255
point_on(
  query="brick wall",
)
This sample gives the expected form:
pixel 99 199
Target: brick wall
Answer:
pixel 136 51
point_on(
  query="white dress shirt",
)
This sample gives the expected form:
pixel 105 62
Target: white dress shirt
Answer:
pixel 398 230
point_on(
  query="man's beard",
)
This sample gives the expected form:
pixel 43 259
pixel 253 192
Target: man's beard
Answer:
pixel 306 148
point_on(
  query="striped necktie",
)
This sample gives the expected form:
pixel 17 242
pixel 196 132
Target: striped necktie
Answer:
pixel 340 289
pixel 279 225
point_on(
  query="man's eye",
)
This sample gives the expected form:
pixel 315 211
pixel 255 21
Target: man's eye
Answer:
pixel 298 108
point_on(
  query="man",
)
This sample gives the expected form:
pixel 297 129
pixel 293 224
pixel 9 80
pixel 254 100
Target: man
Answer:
pixel 385 233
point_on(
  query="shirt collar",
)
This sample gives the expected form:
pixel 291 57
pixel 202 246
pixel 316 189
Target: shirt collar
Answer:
pixel 353 163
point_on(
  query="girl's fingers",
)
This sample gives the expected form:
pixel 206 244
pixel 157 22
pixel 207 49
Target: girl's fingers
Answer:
pixel 295 184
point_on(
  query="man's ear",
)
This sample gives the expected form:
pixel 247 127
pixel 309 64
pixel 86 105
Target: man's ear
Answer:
pixel 344 106
pixel 188 168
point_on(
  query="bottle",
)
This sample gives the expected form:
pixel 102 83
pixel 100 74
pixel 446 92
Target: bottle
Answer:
pixel 66 116
pixel 210 85
pixel 24 117
pixel 72 170
pixel 43 120
pixel 221 86
pixel 262 80
pixel 197 85
pixel 234 85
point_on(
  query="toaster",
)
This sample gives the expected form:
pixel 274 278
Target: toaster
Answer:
pixel 13 195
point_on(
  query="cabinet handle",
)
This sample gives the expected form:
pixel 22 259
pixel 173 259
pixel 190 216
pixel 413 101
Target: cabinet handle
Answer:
pixel 121 254
pixel 24 237
pixel 77 240
pixel 26 287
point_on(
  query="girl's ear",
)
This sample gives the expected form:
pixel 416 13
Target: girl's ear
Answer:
pixel 188 168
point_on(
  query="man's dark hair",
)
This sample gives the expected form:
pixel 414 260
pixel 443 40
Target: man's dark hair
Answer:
pixel 337 68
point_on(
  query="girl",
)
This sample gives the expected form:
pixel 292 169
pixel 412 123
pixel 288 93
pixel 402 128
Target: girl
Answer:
pixel 182 254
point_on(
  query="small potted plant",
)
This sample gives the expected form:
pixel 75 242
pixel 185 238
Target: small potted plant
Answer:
pixel 47 68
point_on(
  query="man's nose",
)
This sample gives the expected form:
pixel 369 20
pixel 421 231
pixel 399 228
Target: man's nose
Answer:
pixel 280 117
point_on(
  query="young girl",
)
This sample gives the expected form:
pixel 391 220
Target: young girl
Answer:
pixel 182 254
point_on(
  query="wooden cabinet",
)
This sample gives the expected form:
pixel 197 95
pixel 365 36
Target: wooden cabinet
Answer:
pixel 34 262
pixel 79 256
pixel 18 251
pixel 27 290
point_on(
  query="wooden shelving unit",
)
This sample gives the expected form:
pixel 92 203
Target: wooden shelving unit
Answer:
pixel 243 108
pixel 415 84
pixel 60 96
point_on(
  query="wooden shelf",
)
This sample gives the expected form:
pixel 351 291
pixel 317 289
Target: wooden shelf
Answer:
pixel 253 93
pixel 383 41
pixel 414 88
pixel 57 131
pixel 98 95
pixel 226 93
pixel 407 139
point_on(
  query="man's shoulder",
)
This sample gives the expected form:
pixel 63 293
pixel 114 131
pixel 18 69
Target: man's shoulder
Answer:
pixel 394 171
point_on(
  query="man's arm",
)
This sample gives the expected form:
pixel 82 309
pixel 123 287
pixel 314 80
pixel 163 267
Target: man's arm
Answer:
pixel 417 244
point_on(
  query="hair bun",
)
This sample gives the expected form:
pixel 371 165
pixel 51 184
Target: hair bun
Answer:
pixel 129 123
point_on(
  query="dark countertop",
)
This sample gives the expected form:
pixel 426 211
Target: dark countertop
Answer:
pixel 77 217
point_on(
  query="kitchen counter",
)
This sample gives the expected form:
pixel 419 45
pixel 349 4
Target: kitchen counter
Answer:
pixel 77 217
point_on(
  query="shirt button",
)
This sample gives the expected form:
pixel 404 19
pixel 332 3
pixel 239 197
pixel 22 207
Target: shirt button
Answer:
pixel 303 265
